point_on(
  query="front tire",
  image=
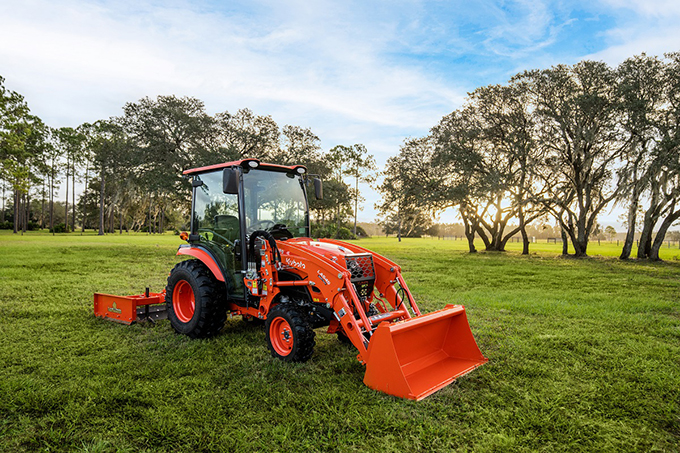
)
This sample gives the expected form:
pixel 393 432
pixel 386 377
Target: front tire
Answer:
pixel 289 335
pixel 195 300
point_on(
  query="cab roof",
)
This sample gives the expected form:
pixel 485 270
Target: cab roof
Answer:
pixel 250 164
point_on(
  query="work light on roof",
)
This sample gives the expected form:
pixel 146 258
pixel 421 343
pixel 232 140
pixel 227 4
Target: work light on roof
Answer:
pixel 253 163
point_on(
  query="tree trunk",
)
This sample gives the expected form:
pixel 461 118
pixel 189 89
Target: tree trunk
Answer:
pixel 87 170
pixel 661 234
pixel 51 184
pixel 73 199
pixel 42 206
pixel 581 248
pixel 469 232
pixel 68 168
pixel 630 235
pixel 101 204
pixel 525 241
pixel 399 225
pixel 565 242
pixel 651 219
pixel 645 241
pixel 27 211
pixel 16 210
pixel 337 220
pixel 356 204
pixel 476 227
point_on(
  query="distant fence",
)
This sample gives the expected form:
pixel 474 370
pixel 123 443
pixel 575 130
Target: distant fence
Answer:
pixel 619 243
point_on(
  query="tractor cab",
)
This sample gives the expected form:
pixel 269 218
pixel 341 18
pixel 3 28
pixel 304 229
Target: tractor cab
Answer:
pixel 235 199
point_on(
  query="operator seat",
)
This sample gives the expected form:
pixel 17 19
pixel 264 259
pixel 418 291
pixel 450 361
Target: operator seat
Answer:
pixel 227 226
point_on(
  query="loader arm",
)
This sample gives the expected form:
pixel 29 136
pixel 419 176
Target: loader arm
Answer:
pixel 410 356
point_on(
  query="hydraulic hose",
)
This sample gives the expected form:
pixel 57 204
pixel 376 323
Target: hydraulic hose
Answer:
pixel 272 243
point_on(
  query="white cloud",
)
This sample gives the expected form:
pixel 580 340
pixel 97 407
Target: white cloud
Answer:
pixel 175 49
pixel 649 8
pixel 652 29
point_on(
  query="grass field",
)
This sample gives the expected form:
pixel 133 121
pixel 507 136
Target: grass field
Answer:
pixel 584 356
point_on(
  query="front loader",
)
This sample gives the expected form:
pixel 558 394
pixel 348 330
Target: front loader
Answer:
pixel 253 256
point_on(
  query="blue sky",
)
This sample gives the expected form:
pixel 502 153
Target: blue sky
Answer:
pixel 354 71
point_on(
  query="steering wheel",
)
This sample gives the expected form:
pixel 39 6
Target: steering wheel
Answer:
pixel 261 225
pixel 280 230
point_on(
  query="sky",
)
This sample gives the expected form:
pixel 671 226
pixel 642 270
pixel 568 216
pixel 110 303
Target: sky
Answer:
pixel 370 72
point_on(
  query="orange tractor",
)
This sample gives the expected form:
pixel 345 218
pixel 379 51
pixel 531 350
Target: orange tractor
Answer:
pixel 253 256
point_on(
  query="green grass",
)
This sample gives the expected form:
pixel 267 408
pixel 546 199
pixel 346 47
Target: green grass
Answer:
pixel 584 356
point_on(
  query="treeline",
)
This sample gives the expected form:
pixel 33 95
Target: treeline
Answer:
pixel 560 145
pixel 131 166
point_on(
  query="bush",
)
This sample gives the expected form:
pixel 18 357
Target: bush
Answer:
pixel 331 231
pixel 6 225
pixel 345 233
pixel 58 228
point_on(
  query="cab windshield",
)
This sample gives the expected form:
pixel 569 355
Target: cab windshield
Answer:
pixel 273 200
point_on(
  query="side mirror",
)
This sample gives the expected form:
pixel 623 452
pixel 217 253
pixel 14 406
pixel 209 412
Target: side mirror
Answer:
pixel 318 189
pixel 230 181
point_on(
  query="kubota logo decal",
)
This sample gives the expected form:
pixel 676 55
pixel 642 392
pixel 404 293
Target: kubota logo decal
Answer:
pixel 323 278
pixel 113 309
pixel 295 263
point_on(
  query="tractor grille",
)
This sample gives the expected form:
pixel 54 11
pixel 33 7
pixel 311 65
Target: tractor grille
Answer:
pixel 363 273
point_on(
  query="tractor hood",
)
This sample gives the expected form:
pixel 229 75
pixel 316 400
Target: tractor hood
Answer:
pixel 310 256
pixel 332 252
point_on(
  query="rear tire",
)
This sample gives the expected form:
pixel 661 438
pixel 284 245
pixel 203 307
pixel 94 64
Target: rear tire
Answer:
pixel 289 335
pixel 195 300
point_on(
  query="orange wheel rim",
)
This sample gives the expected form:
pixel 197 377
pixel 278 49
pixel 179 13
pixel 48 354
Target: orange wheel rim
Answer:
pixel 183 301
pixel 281 336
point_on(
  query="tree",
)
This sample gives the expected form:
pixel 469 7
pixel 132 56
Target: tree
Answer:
pixel 489 152
pixel 610 231
pixel 300 146
pixel 246 135
pixel 70 143
pixel 342 194
pixel 21 142
pixel 663 184
pixel 577 119
pixel 110 150
pixel 641 93
pixel 166 136
pixel 410 189
pixel 355 162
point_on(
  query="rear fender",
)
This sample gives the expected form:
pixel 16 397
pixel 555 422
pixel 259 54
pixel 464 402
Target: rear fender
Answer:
pixel 205 257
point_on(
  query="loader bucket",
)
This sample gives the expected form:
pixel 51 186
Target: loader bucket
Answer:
pixel 416 357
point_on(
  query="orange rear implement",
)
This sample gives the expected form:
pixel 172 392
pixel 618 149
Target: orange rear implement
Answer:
pixel 129 309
